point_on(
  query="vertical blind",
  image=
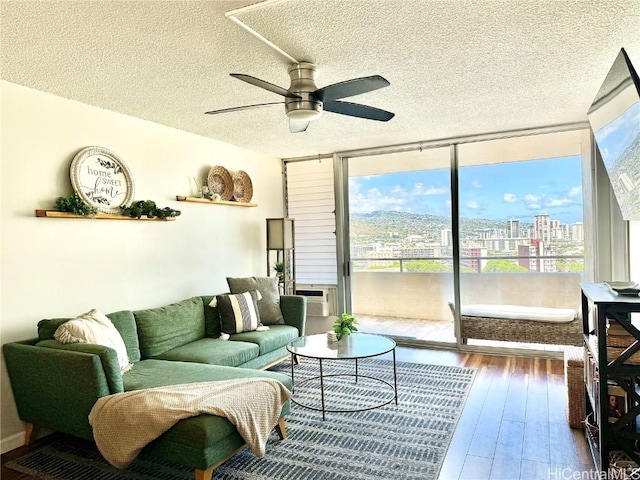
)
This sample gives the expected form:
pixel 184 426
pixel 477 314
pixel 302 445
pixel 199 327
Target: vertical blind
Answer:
pixel 311 202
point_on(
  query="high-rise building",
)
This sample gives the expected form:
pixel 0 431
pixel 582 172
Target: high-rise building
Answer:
pixel 446 238
pixel 542 228
pixel 537 253
pixel 555 229
pixel 513 228
pixel 526 252
pixel 577 232
pixel 467 258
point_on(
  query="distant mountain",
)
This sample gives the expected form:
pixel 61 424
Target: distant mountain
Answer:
pixel 387 223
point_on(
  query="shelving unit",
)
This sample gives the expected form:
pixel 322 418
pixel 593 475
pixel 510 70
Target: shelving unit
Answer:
pixel 281 240
pixel 599 306
pixel 97 216
pixel 182 198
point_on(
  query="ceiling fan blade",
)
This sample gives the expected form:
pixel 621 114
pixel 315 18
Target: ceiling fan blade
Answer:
pixel 298 126
pixel 266 85
pixel 358 110
pixel 349 88
pixel 244 107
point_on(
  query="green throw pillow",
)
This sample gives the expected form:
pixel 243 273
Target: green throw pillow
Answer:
pixel 269 304
pixel 238 313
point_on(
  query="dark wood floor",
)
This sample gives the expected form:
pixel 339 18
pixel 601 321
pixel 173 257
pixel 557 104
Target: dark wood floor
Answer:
pixel 514 424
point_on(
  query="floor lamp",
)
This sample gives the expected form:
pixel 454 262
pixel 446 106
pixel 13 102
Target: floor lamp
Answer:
pixel 281 239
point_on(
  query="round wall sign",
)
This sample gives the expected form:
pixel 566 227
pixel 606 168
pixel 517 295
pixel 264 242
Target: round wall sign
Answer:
pixel 102 179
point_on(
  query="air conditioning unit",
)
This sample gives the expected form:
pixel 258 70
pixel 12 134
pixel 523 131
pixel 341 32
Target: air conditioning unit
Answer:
pixel 317 301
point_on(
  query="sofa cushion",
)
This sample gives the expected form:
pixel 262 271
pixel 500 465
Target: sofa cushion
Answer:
pixel 164 328
pixel 47 327
pixel 518 312
pixel 277 336
pixel 191 435
pixel 213 352
pixel 211 318
pixel 95 328
pixel 122 320
pixel 126 325
pixel 238 313
pixel 157 373
pixel 269 304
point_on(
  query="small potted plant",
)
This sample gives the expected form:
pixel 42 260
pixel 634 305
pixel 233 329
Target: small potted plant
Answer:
pixel 344 325
pixel 278 267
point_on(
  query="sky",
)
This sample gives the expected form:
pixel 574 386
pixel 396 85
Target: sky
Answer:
pixel 515 190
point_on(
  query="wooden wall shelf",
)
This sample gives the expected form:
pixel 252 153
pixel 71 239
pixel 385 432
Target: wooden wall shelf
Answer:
pixel 182 198
pixel 98 216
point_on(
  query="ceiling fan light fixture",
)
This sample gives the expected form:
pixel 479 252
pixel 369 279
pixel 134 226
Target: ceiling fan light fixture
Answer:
pixel 303 111
pixel 303 115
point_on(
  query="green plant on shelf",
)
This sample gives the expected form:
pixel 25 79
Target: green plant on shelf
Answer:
pixel 149 209
pixel 278 267
pixel 75 204
pixel 344 325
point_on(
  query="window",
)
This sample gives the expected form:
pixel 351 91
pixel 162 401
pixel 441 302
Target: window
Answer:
pixel 521 220
pixel 311 202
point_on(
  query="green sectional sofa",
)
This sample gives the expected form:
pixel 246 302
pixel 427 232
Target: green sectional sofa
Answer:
pixel 55 385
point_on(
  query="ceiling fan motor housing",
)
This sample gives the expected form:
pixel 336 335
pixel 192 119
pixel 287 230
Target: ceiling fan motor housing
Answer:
pixel 303 82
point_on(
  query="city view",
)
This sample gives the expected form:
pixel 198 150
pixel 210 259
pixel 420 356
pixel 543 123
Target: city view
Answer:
pixel 514 217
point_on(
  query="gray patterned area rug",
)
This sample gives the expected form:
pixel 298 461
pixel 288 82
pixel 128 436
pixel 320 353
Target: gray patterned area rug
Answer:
pixel 407 441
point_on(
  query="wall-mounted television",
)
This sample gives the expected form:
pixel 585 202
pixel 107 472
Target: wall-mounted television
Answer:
pixel 615 120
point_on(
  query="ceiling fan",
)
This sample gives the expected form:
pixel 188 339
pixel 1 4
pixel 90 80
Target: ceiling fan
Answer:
pixel 304 101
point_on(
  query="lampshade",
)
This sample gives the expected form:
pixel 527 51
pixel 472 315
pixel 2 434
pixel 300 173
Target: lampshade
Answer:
pixel 280 233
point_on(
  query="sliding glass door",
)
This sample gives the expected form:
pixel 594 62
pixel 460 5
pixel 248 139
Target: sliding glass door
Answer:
pixel 521 222
pixel 401 244
pixel 404 263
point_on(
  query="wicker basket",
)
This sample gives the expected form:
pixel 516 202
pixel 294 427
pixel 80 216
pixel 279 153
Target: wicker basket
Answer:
pixel 220 182
pixel 525 331
pixel 620 340
pixel 615 352
pixel 616 344
pixel 574 378
pixel 242 187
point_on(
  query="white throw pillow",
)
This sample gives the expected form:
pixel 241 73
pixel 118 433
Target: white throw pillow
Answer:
pixel 94 327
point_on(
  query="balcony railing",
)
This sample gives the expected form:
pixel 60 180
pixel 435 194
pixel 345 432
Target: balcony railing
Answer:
pixel 540 264
pixel 399 292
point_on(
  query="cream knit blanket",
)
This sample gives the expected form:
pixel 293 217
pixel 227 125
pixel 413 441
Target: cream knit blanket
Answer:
pixel 124 423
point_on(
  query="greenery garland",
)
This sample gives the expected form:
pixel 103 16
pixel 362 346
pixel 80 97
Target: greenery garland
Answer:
pixel 149 209
pixel 75 204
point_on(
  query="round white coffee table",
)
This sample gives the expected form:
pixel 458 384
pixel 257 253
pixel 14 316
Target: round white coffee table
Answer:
pixel 351 347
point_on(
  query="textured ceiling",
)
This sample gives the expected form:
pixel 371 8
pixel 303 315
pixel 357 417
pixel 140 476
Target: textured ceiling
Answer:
pixel 456 67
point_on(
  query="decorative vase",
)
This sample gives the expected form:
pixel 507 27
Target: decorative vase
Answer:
pixel 332 336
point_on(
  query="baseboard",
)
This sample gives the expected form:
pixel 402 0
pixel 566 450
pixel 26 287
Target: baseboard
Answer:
pixel 12 442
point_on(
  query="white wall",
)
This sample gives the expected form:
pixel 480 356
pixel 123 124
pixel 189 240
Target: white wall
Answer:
pixel 62 267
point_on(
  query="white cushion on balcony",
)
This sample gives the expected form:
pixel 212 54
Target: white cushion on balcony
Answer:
pixel 517 312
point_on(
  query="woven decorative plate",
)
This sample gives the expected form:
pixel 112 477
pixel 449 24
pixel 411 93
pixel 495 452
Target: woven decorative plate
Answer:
pixel 242 187
pixel 220 182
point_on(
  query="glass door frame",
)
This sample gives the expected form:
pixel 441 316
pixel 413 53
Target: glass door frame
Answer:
pixel 342 220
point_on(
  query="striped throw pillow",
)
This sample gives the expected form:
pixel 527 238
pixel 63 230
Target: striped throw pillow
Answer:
pixel 239 312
